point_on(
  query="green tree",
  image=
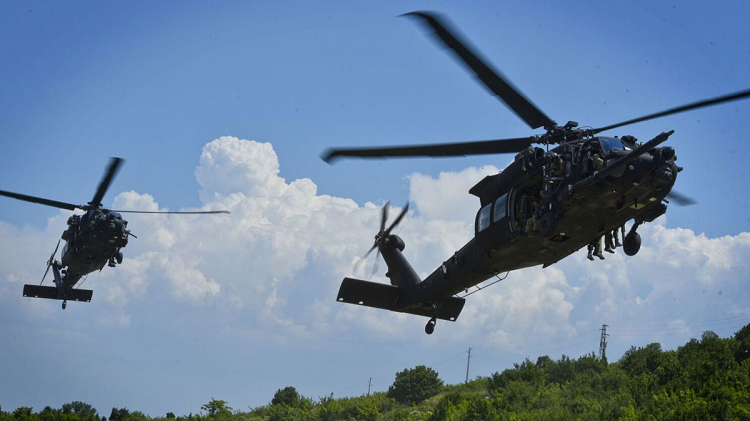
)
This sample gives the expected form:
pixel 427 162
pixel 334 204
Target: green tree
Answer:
pixel 119 414
pixel 170 415
pixel 742 337
pixel 22 413
pixel 415 385
pixel 287 396
pixel 480 409
pixel 82 409
pixel 217 408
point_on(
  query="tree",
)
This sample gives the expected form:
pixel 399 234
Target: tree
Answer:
pixel 287 396
pixel 82 409
pixel 217 408
pixel 22 412
pixel 170 415
pixel 415 385
pixel 742 351
pixel 119 414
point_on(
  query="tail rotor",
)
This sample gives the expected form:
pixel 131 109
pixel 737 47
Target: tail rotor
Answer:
pixel 49 262
pixel 382 236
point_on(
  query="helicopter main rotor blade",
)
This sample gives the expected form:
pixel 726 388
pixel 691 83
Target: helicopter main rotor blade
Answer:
pixel 492 79
pixel 481 147
pixel 680 199
pixel 700 104
pixel 41 201
pixel 175 212
pixel 109 175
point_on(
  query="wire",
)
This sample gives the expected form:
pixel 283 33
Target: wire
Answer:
pixel 447 359
pixel 663 327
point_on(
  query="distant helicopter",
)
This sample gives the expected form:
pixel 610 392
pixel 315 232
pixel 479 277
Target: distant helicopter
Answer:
pixel 91 241
pixel 544 206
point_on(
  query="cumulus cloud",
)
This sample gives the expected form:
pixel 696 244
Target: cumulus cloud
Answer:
pixel 280 256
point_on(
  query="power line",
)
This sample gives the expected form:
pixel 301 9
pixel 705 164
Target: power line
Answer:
pixel 671 325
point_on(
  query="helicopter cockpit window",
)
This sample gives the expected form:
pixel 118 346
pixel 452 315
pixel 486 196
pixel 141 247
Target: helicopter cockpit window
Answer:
pixel 499 208
pixel 610 144
pixel 483 218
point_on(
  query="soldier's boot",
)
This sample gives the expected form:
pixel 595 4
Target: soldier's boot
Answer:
pixel 608 243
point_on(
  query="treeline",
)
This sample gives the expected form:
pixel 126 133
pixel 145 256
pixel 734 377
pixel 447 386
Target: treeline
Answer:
pixel 701 380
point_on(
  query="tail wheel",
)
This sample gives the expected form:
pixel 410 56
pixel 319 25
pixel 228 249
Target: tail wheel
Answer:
pixel 430 326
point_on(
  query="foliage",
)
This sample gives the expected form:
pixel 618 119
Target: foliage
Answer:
pixel 217 408
pixel 287 396
pixel 706 378
pixel 415 385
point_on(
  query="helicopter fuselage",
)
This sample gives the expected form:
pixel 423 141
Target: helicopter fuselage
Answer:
pixel 510 231
pixel 92 240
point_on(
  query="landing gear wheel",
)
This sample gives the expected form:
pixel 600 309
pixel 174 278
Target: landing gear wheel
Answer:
pixel 430 327
pixel 547 224
pixel 118 257
pixel 64 304
pixel 631 244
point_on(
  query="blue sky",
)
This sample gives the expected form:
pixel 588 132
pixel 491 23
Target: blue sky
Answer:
pixel 192 315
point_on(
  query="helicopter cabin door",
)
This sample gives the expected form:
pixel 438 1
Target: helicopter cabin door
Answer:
pixel 492 226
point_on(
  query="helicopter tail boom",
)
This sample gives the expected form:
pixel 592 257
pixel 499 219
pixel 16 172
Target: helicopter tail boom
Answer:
pixel 38 291
pixel 386 297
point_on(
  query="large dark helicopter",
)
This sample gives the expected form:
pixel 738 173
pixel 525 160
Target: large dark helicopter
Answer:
pixel 91 241
pixel 547 204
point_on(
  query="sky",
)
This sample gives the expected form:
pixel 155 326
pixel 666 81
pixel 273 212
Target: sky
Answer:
pixel 228 105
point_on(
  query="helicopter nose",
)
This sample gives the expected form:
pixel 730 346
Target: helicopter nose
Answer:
pixel 667 153
pixel 665 171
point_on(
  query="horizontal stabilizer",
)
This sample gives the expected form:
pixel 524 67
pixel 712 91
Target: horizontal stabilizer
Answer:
pixel 37 291
pixel 373 294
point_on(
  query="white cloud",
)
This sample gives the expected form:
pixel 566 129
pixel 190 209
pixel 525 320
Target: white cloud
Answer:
pixel 447 197
pixel 279 258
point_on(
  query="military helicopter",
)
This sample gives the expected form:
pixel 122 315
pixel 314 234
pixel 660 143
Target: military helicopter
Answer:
pixel 91 241
pixel 544 206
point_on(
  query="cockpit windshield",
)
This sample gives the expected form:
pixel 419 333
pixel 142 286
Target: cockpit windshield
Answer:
pixel 611 144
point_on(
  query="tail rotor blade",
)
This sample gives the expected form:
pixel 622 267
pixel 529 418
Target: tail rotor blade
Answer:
pixel 45 274
pixel 51 258
pixel 384 216
pixel 363 258
pixel 398 218
pixel 49 262
pixel 376 265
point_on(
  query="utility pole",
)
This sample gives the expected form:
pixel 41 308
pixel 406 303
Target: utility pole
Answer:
pixel 468 360
pixel 369 383
pixel 603 343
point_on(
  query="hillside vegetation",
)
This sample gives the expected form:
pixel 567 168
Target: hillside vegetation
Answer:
pixel 703 379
